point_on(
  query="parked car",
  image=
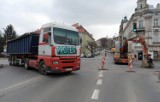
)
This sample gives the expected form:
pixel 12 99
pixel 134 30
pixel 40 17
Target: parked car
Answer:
pixel 82 55
pixel 97 53
pixel 90 55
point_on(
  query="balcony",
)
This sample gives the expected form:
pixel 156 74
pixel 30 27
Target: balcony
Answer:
pixel 156 26
pixel 141 28
pixel 156 42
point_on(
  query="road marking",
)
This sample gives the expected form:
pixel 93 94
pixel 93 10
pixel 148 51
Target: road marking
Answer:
pixel 95 94
pixel 99 82
pixel 101 75
pixel 100 72
pixel 19 84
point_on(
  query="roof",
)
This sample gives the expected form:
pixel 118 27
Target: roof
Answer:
pixel 58 25
pixel 125 19
pixel 24 35
pixel 81 29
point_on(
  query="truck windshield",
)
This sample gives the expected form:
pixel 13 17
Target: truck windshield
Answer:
pixel 66 37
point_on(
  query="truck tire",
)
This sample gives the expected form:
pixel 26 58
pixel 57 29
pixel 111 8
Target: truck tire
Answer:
pixel 14 62
pixel 26 64
pixel 43 68
pixel 10 61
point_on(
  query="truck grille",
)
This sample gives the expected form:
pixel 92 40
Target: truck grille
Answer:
pixel 67 67
pixel 67 61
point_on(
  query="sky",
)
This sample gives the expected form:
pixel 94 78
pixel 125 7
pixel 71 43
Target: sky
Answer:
pixel 101 18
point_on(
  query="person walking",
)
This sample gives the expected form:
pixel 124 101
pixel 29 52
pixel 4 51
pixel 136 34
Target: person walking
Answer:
pixel 135 57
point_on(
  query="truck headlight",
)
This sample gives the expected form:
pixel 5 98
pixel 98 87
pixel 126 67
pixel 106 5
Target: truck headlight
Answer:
pixel 55 62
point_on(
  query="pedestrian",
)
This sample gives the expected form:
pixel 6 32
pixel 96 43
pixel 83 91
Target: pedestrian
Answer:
pixel 135 57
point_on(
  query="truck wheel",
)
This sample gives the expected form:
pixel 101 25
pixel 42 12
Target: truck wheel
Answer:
pixel 26 64
pixel 14 62
pixel 10 61
pixel 43 68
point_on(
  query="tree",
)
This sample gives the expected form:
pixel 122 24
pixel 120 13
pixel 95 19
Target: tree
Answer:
pixel 92 46
pixel 104 42
pixel 9 33
pixel 110 43
pixel 1 43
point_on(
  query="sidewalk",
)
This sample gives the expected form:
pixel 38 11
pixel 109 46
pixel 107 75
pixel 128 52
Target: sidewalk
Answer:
pixel 3 61
pixel 157 63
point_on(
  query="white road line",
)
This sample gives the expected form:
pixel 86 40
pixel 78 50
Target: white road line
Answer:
pixel 19 84
pixel 95 94
pixel 100 72
pixel 99 82
pixel 101 75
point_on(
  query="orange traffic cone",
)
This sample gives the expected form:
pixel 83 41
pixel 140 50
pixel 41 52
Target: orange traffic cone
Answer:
pixel 130 65
pixel 103 63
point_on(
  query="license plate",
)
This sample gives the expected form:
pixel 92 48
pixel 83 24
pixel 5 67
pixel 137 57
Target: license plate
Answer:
pixel 68 69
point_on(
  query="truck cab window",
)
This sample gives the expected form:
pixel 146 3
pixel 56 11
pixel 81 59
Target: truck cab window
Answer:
pixel 66 37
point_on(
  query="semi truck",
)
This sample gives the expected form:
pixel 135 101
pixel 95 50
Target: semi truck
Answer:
pixel 55 48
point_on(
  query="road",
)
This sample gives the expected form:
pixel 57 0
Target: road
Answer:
pixel 87 85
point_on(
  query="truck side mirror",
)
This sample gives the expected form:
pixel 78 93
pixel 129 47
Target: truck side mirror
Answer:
pixel 45 37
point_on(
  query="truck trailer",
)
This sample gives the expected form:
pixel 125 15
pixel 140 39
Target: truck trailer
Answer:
pixel 55 48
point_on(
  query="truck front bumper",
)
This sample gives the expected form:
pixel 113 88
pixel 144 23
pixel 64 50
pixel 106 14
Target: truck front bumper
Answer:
pixel 64 65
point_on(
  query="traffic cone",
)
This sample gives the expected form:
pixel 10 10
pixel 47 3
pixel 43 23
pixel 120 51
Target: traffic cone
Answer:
pixel 103 63
pixel 130 65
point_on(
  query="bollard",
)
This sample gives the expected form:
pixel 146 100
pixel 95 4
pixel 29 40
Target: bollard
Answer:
pixel 103 63
pixel 130 63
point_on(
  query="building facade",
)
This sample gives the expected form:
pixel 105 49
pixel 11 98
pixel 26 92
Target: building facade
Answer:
pixel 86 39
pixel 147 19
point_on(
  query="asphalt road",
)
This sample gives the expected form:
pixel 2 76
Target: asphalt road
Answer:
pixel 87 85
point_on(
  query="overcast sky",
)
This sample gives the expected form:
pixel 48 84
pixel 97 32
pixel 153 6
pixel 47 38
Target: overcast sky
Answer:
pixel 99 17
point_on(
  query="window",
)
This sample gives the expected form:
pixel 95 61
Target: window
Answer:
pixel 47 35
pixel 66 37
pixel 141 6
pixel 47 38
pixel 47 29
pixel 155 22
pixel 140 24
pixel 156 37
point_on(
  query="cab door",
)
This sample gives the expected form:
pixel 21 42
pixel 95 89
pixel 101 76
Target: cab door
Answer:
pixel 45 42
